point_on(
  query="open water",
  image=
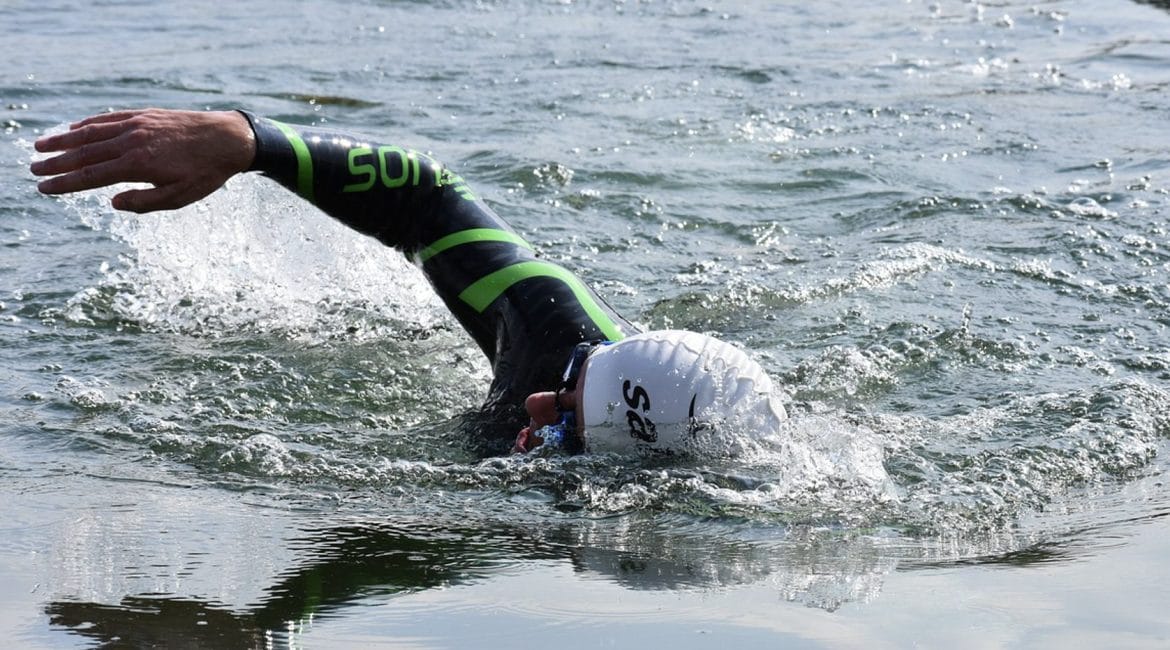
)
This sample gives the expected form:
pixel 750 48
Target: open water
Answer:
pixel 940 225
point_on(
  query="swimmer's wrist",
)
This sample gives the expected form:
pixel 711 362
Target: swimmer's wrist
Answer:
pixel 253 139
pixel 240 141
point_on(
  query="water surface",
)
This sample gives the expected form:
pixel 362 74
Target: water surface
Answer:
pixel 940 226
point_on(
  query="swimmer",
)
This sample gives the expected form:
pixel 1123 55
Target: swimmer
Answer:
pixel 567 369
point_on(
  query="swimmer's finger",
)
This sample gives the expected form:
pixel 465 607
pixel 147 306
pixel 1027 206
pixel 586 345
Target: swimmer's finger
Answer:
pixel 113 116
pixel 78 157
pixel 521 444
pixel 80 136
pixel 89 177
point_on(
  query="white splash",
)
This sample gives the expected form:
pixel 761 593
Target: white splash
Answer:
pixel 250 256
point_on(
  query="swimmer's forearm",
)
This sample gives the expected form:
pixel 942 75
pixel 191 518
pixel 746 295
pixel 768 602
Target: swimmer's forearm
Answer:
pixel 184 155
pixel 403 197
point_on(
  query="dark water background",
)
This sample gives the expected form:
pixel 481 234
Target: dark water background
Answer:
pixel 941 226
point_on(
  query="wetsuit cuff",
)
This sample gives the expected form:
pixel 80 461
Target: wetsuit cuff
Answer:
pixel 273 151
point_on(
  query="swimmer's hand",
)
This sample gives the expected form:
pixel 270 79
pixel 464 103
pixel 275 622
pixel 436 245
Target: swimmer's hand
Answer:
pixel 185 155
pixel 545 438
pixel 525 441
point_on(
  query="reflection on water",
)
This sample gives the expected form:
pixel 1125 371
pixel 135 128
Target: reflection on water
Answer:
pixel 345 564
pixel 1161 4
pixel 364 562
pixel 160 622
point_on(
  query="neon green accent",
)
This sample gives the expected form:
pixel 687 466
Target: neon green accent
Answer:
pixel 470 236
pixel 304 160
pixel 366 169
pixel 456 182
pixel 389 182
pixel 484 291
pixel 367 174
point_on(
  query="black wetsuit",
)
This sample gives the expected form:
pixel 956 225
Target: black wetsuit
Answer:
pixel 526 314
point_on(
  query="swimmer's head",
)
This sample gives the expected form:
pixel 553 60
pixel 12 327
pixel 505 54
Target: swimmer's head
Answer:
pixel 653 391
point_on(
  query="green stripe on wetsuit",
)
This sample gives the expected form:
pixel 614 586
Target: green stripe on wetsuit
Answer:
pixel 304 160
pixel 484 291
pixel 470 236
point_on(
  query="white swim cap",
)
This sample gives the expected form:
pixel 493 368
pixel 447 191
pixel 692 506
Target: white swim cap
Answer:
pixel 653 390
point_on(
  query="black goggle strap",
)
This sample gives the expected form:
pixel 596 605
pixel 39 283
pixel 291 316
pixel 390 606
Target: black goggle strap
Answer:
pixel 581 352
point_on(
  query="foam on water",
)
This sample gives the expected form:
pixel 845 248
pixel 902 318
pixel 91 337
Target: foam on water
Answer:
pixel 228 267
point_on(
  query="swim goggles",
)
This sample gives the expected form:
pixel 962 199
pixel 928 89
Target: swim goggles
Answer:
pixel 581 352
pixel 562 431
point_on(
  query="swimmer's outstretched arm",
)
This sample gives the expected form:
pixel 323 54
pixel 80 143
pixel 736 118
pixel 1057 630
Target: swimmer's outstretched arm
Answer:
pixel 185 155
pixel 526 314
pixel 402 197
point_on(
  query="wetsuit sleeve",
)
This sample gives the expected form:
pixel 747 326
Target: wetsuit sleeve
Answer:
pixel 523 312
